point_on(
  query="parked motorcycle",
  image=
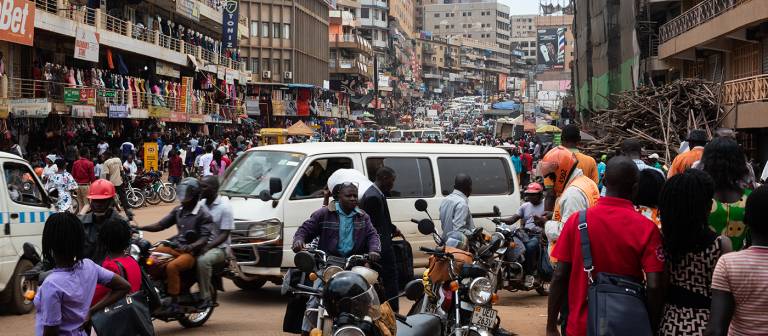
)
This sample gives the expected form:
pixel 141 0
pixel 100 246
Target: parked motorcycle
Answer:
pixel 460 283
pixel 154 189
pixel 193 312
pixel 512 254
pixel 347 297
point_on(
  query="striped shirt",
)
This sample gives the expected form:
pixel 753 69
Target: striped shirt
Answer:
pixel 745 275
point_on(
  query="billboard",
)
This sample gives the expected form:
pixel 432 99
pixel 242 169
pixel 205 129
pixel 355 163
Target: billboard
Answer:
pixel 229 23
pixel 550 49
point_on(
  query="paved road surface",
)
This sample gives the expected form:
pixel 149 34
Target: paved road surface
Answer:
pixel 261 312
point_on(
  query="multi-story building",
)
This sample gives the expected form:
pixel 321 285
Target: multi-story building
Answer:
pixel 374 23
pixel 419 24
pixel 725 41
pixel 288 40
pixel 523 36
pixel 482 21
pixel 440 65
pixel 402 18
pixel 350 63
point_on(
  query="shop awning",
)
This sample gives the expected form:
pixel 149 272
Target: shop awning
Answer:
pixel 300 128
pixel 301 86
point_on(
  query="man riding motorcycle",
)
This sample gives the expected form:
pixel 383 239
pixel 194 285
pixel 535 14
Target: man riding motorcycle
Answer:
pixel 533 217
pixel 194 225
pixel 223 222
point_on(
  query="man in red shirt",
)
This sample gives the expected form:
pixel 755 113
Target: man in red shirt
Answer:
pixel 175 168
pixel 82 171
pixel 623 242
pixel 527 160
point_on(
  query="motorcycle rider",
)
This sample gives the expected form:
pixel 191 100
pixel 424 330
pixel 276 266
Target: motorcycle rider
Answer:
pixel 532 216
pixel 223 222
pixel 191 219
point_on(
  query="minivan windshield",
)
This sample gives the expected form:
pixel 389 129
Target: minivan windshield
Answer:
pixel 250 174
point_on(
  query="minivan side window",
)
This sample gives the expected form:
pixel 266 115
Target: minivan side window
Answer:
pixel 490 176
pixel 413 176
pixel 22 186
pixel 315 177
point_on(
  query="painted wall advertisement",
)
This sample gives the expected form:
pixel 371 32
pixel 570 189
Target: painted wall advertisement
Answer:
pixel 86 44
pixel 551 49
pixel 150 155
pixel 229 23
pixel 17 21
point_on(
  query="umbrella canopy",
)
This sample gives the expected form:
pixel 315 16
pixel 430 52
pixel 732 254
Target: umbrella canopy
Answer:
pixel 587 137
pixel 300 128
pixel 529 126
pixel 548 129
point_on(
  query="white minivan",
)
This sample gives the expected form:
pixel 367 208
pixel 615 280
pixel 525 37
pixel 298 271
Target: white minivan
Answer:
pixel 24 207
pixel 274 189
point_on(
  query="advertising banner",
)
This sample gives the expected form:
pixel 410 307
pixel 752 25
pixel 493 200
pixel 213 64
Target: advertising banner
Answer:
pixel 159 112
pixel 150 155
pixel 252 107
pixel 30 108
pixel 4 111
pixel 229 23
pixel 86 44
pixel 502 82
pixel 79 96
pixel 278 108
pixel 119 111
pixel 186 94
pixel 83 111
pixel 551 49
pixel 167 69
pixel 189 9
pixel 17 21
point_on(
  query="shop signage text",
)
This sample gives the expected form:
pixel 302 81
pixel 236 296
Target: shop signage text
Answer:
pixel 119 111
pixel 188 8
pixel 17 21
pixel 86 44
pixel 86 96
pixel 229 23
pixel 168 70
pixel 186 94
pixel 150 155
pixel 30 108
pixel 83 111
pixel 159 112
pixel 252 107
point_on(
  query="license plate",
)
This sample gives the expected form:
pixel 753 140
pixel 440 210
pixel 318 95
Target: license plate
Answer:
pixel 485 317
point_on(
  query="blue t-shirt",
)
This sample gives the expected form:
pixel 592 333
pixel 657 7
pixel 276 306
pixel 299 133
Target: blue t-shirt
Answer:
pixel 518 164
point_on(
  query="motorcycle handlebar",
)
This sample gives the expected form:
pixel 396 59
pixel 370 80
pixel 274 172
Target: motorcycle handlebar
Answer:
pixel 414 221
pixel 308 289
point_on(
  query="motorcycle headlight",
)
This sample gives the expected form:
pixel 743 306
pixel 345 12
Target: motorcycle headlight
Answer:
pixel 349 330
pixel 481 290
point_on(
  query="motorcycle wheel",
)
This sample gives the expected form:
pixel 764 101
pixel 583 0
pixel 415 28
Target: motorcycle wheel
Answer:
pixel 152 197
pixel 16 289
pixel 167 193
pixel 195 320
pixel 543 289
pixel 135 198
pixel 249 285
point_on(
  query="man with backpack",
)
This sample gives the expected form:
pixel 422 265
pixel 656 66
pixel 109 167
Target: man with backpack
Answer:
pixel 621 242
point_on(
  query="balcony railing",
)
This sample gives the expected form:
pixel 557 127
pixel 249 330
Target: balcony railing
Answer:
pixel 100 20
pixel 746 90
pixel 696 16
pixel 358 40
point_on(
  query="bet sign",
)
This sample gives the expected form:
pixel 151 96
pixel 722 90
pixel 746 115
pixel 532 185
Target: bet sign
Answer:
pixel 17 21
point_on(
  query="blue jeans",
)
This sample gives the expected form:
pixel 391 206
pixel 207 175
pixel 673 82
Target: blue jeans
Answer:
pixel 531 255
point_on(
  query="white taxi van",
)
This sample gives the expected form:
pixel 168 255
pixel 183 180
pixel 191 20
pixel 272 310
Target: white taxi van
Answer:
pixel 24 207
pixel 274 189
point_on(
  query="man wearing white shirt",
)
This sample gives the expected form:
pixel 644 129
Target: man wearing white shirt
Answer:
pixel 130 167
pixel 205 161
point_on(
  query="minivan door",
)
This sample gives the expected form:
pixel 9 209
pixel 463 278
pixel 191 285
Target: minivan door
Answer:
pixel 306 191
pixel 24 213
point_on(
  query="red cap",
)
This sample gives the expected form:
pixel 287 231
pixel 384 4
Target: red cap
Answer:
pixel 533 188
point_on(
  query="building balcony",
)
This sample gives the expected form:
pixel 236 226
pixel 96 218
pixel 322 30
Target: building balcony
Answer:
pixel 350 41
pixel 370 22
pixel 751 96
pixel 348 66
pixel 708 23
pixel 374 3
pixel 379 44
pixel 120 34
pixel 428 62
pixel 428 50
pixel 432 76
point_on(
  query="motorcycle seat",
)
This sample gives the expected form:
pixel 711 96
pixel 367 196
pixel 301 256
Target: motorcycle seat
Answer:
pixel 420 325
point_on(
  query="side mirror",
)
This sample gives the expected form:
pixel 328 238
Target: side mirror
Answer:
pixel 275 186
pixel 304 261
pixel 265 196
pixel 426 227
pixel 420 205
pixel 496 211
pixel 414 290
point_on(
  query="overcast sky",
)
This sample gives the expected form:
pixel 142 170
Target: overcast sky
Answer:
pixel 518 7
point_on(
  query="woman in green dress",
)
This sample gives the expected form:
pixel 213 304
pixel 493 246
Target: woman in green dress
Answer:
pixel 725 162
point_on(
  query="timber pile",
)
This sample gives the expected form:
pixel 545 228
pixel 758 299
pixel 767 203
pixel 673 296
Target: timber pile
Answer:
pixel 660 117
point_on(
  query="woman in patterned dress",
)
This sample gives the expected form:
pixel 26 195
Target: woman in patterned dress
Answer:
pixel 64 183
pixel 691 250
pixel 724 161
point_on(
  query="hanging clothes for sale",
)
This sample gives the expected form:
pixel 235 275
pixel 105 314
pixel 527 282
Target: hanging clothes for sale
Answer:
pixel 302 103
pixel 110 63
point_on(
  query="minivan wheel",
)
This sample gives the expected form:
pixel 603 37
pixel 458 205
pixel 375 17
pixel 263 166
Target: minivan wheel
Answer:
pixel 17 287
pixel 249 284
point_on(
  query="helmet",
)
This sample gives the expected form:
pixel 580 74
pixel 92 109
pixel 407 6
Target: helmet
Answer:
pixel 188 189
pixel 457 240
pixel 348 292
pixel 39 171
pixel 557 166
pixel 533 188
pixel 101 189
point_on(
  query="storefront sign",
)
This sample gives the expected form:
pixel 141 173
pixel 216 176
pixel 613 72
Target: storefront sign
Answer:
pixel 84 96
pixel 119 111
pixel 229 23
pixel 252 107
pixel 30 108
pixel 86 44
pixel 197 118
pixel 4 112
pixel 150 155
pixel 168 70
pixel 159 112
pixel 107 93
pixel 188 8
pixel 186 94
pixel 83 111
pixel 139 113
pixel 17 21
pixel 232 75
pixel 176 117
pixel 277 108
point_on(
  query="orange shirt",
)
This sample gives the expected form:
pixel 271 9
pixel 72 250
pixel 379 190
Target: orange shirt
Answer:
pixel 588 166
pixel 685 161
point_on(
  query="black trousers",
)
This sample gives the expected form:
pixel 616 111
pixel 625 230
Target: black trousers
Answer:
pixel 123 198
pixel 389 276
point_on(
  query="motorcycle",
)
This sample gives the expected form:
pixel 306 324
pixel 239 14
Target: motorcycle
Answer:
pixel 192 313
pixel 460 283
pixel 316 266
pixel 155 191
pixel 512 254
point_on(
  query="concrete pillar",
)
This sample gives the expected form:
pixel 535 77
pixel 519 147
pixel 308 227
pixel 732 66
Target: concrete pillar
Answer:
pixel 97 16
pixel 129 28
pixel 157 37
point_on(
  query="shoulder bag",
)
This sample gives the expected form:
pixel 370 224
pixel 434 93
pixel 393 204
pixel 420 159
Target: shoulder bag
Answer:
pixel 616 302
pixel 128 316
